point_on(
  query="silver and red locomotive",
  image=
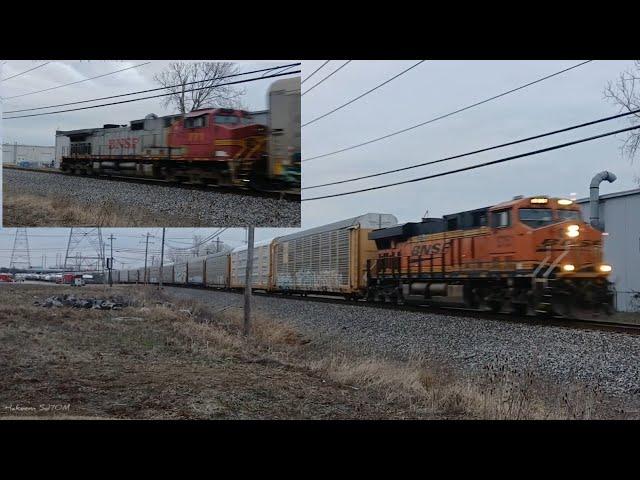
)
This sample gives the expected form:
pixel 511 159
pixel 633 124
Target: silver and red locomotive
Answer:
pixel 226 147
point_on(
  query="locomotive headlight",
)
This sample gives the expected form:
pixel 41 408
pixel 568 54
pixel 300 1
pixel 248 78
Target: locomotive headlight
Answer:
pixel 568 267
pixel 565 201
pixel 605 268
pixel 573 231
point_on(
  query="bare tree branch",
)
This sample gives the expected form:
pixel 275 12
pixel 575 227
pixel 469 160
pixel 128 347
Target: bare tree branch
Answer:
pixel 208 77
pixel 625 93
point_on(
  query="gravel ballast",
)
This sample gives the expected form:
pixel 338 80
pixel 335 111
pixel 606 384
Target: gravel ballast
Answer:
pixel 167 206
pixel 607 360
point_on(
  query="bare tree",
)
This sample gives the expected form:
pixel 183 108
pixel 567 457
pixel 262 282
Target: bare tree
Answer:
pixel 208 76
pixel 625 92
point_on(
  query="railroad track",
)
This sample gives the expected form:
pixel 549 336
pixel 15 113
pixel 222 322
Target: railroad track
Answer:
pixel 559 322
pixel 571 323
pixel 245 191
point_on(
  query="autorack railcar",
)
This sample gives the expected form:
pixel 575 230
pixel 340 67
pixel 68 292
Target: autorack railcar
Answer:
pixel 330 259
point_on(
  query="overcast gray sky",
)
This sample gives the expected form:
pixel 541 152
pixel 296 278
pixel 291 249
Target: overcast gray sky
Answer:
pixel 129 243
pixel 41 130
pixel 431 89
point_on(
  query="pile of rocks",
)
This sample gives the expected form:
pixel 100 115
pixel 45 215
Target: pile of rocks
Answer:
pixel 110 303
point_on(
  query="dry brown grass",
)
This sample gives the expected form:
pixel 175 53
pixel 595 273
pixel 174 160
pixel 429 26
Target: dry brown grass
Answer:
pixel 165 352
pixel 421 389
pixel 496 396
pixel 26 210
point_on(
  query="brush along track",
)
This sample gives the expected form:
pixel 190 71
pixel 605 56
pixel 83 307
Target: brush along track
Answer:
pixel 245 191
pixel 560 322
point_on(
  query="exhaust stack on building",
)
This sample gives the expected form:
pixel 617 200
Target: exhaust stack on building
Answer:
pixel 594 196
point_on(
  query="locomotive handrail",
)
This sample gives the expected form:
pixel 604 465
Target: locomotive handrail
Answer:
pixel 542 264
pixel 556 262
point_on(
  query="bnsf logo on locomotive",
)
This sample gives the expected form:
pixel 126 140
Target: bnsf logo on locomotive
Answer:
pixel 431 249
pixel 123 142
pixel 556 242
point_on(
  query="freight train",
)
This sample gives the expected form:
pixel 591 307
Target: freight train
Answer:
pixel 219 146
pixel 527 256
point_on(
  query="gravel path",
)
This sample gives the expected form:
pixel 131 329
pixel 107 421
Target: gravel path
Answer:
pixel 182 207
pixel 608 360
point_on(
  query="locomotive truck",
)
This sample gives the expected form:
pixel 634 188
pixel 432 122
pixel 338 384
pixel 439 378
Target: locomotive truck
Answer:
pixel 220 146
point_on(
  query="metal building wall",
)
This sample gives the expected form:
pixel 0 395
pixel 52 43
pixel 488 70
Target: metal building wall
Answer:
pixel 620 214
pixel 35 154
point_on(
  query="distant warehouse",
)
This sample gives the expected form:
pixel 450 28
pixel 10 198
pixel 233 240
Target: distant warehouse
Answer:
pixel 620 217
pixel 27 155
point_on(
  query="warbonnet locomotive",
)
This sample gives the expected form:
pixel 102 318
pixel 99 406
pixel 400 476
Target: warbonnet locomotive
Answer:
pixel 527 256
pixel 219 146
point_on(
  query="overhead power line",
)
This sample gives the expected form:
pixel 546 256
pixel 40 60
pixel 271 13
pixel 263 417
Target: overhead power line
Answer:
pixel 26 71
pixel 74 83
pixel 364 94
pixel 149 97
pixel 473 167
pixel 486 149
pixel 314 72
pixel 328 76
pixel 202 242
pixel 447 114
pixel 154 89
pixel 284 69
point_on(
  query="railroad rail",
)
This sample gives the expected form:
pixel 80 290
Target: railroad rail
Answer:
pixel 245 191
pixel 560 322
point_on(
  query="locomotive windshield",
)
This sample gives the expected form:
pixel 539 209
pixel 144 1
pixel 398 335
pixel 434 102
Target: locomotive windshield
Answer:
pixel 540 217
pixel 227 120
pixel 536 217
pixel 569 215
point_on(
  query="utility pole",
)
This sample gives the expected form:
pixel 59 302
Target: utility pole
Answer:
pixel 161 259
pixel 146 252
pixel 217 244
pixel 247 283
pixel 110 264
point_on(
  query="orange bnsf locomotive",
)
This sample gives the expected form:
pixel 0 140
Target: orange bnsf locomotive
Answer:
pixel 218 146
pixel 529 255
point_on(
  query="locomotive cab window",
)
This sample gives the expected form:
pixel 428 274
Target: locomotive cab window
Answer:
pixel 569 215
pixel 536 217
pixel 195 122
pixel 501 219
pixel 226 119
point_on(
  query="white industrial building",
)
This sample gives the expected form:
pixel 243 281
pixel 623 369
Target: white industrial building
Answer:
pixel 619 218
pixel 27 155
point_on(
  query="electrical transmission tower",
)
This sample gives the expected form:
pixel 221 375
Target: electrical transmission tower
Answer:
pixel 20 255
pixel 83 240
